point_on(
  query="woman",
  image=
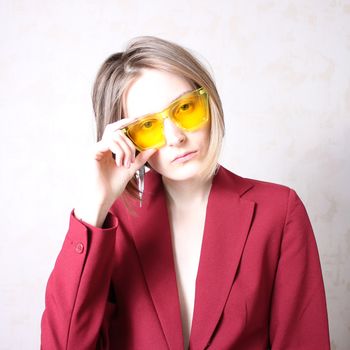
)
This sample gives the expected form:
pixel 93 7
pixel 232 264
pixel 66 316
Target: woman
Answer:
pixel 188 255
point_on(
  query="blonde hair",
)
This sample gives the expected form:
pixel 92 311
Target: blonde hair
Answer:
pixel 121 69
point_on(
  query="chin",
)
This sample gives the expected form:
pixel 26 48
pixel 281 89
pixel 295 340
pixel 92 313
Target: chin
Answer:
pixel 189 171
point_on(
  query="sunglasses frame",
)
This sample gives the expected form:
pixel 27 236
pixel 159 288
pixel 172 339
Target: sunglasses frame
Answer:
pixel 164 114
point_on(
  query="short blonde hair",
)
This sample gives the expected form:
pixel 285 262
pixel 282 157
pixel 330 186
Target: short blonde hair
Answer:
pixel 121 69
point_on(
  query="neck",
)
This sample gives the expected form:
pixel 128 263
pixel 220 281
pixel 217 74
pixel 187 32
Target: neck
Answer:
pixel 187 193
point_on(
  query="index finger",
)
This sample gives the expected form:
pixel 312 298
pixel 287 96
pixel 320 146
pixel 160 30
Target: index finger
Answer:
pixel 120 124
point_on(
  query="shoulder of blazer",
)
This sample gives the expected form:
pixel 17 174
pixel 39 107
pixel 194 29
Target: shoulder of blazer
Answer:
pixel 274 198
pixel 244 185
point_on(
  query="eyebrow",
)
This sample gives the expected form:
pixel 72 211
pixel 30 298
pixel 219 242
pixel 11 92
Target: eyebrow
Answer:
pixel 182 94
pixel 145 115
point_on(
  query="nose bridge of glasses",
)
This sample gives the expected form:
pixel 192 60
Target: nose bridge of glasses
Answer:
pixel 172 131
pixel 165 114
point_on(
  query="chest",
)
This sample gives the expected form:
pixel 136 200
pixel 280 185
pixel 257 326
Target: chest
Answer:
pixel 187 229
pixel 187 232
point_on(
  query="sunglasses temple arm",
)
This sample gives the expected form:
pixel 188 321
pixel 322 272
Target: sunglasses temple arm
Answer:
pixel 140 175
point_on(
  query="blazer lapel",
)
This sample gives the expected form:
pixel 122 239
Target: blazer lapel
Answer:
pixel 151 233
pixel 226 228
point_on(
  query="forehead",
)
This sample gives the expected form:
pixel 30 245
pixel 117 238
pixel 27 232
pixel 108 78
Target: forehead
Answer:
pixel 152 91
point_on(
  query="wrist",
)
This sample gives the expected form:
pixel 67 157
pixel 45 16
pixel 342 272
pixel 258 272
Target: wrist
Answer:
pixel 94 216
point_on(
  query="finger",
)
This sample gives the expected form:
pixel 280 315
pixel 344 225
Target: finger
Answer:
pixel 113 132
pixel 99 149
pixel 120 124
pixel 109 146
pixel 132 148
pixel 130 145
pixel 127 148
pixel 142 158
pixel 118 153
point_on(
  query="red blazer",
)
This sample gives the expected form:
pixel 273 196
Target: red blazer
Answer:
pixel 259 282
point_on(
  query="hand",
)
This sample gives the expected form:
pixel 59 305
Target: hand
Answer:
pixel 108 177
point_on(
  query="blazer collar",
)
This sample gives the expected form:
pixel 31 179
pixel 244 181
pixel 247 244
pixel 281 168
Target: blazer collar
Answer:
pixel 226 228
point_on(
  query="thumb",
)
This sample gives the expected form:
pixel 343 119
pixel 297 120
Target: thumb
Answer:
pixel 143 157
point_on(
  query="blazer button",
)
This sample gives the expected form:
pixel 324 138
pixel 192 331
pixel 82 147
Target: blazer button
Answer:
pixel 79 248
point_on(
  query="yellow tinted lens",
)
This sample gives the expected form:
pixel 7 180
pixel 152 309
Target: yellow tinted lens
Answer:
pixel 147 132
pixel 191 111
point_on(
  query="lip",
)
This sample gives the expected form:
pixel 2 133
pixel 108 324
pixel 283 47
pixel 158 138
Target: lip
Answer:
pixel 184 157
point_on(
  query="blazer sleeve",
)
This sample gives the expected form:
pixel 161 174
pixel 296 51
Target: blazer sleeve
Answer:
pixel 78 287
pixel 298 309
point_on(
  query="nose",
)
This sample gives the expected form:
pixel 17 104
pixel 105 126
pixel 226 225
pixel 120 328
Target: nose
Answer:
pixel 174 136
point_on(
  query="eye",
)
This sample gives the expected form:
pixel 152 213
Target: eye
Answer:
pixel 147 124
pixel 185 107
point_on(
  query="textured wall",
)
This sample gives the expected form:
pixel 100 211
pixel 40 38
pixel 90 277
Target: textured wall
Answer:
pixel 282 68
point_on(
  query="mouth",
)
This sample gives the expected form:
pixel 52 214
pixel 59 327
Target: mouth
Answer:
pixel 184 157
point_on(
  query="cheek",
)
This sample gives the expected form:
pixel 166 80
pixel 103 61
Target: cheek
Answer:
pixel 155 160
pixel 204 137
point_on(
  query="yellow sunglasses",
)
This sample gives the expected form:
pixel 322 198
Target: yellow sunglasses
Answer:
pixel 189 112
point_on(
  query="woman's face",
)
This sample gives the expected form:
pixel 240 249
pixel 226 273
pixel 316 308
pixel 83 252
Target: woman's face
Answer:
pixel 182 158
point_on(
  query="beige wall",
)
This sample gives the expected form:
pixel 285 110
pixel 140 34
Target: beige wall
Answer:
pixel 283 71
